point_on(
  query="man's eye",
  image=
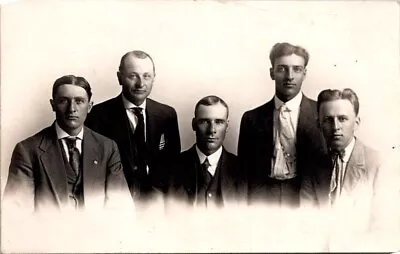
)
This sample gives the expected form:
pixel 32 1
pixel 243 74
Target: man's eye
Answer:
pixel 219 121
pixel 147 76
pixel 342 118
pixel 132 76
pixel 280 69
pixel 298 69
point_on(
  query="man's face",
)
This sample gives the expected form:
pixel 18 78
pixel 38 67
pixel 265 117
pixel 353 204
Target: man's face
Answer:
pixel 288 73
pixel 136 79
pixel 338 122
pixel 71 105
pixel 210 125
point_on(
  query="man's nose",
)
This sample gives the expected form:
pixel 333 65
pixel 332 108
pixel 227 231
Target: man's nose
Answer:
pixel 140 82
pixel 336 124
pixel 211 127
pixel 289 74
pixel 72 106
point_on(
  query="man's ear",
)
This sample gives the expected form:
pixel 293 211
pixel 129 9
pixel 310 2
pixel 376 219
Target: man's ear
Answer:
pixel 227 125
pixel 119 75
pixel 305 71
pixel 90 106
pixel 357 123
pixel 194 124
pixel 53 107
pixel 271 73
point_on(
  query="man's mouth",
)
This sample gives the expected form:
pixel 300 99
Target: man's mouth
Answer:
pixel 72 117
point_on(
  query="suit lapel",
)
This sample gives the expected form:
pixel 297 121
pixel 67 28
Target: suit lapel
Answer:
pixel 306 119
pixel 90 160
pixel 53 163
pixel 223 176
pixel 151 124
pixel 355 168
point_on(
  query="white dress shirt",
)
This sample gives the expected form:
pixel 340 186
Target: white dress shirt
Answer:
pixel 294 106
pixel 61 134
pixel 213 159
pixel 131 116
pixel 347 153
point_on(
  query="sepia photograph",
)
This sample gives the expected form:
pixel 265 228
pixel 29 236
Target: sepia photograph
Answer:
pixel 199 126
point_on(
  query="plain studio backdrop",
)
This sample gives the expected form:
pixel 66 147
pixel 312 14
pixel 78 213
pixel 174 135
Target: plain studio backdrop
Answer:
pixel 199 48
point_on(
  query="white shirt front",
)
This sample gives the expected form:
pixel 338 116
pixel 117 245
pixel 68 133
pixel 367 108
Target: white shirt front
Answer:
pixel 294 106
pixel 131 116
pixel 61 134
pixel 213 159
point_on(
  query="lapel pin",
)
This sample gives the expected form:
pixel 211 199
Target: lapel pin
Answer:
pixel 95 162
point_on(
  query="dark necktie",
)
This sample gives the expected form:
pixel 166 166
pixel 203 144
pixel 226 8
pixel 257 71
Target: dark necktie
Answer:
pixel 337 175
pixel 74 155
pixel 205 165
pixel 139 135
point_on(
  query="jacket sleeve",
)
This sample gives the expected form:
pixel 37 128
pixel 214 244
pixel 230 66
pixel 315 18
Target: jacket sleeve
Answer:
pixel 20 190
pixel 117 191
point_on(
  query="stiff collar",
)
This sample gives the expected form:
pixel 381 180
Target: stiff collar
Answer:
pixel 292 104
pixel 212 158
pixel 129 105
pixel 63 134
pixel 347 151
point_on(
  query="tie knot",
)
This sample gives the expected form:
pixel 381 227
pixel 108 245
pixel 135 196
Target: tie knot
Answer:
pixel 137 111
pixel 338 154
pixel 284 108
pixel 71 142
pixel 206 164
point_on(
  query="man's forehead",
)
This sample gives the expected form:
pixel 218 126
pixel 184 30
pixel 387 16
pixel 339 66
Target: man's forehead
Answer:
pixel 216 111
pixel 70 90
pixel 339 107
pixel 290 60
pixel 132 63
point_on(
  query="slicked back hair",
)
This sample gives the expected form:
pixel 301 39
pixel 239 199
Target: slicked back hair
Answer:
pixel 209 101
pixel 138 54
pixel 286 49
pixel 72 80
pixel 332 95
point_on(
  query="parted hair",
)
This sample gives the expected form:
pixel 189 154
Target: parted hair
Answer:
pixel 210 100
pixel 72 80
pixel 285 49
pixel 335 94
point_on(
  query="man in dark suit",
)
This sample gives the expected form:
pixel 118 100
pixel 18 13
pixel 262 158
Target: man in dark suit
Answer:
pixel 279 139
pixel 350 178
pixel 208 175
pixel 67 166
pixel 146 131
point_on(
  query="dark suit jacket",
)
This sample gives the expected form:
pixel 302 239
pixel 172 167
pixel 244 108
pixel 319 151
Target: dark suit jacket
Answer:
pixel 37 177
pixel 256 143
pixel 360 186
pixel 109 119
pixel 185 177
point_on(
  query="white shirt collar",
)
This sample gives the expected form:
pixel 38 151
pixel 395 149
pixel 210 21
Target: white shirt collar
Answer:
pixel 212 158
pixel 292 104
pixel 63 134
pixel 129 105
pixel 348 150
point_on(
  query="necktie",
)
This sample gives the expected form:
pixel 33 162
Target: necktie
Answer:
pixel 139 136
pixel 74 155
pixel 286 157
pixel 337 176
pixel 206 164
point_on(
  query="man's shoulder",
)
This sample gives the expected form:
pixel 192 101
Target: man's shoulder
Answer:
pixel 97 137
pixel 159 106
pixel 105 105
pixel 260 110
pixel 371 156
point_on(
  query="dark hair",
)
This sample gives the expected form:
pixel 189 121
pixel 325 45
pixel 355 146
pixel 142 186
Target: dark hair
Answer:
pixel 286 49
pixel 72 80
pixel 345 94
pixel 138 54
pixel 211 100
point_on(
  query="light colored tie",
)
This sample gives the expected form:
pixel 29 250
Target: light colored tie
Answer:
pixel 337 177
pixel 285 149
